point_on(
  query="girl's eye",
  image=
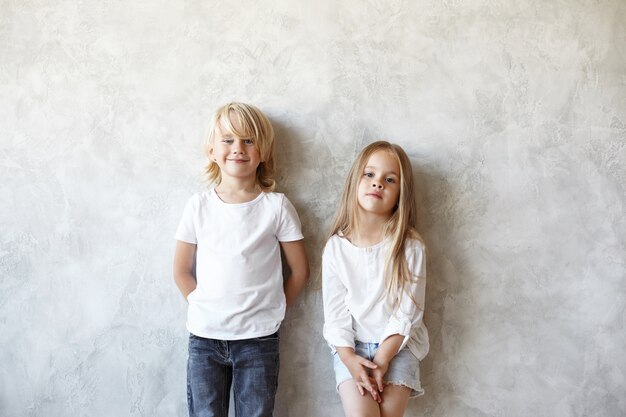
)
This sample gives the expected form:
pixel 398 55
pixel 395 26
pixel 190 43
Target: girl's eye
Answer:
pixel 369 174
pixel 248 141
pixel 390 180
pixel 227 141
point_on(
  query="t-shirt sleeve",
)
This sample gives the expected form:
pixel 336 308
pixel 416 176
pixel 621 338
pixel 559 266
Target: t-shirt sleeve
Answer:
pixel 289 228
pixel 186 231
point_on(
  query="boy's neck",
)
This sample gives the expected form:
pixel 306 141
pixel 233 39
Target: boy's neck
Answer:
pixel 235 191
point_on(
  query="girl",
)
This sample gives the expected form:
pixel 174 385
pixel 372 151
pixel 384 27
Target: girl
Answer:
pixel 373 281
pixel 227 265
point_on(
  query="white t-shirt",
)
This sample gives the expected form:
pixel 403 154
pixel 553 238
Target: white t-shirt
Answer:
pixel 239 293
pixel 355 303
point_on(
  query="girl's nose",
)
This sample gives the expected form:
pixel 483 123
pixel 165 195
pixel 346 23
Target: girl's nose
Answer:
pixel 375 185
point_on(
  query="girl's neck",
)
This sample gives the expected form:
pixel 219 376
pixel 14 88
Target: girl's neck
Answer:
pixel 370 230
pixel 234 191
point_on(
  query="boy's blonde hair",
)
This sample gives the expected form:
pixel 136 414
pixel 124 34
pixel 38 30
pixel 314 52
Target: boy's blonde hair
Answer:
pixel 399 227
pixel 254 125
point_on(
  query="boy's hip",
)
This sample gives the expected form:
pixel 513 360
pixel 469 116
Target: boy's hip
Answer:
pixel 238 322
pixel 235 352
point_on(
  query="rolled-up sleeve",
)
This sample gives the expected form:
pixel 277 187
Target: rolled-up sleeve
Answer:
pixel 338 330
pixel 410 311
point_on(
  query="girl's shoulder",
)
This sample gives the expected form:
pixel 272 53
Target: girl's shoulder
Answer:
pixel 414 247
pixel 414 240
pixel 333 242
pixel 415 255
pixel 415 243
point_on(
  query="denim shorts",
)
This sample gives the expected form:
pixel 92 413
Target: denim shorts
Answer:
pixel 404 369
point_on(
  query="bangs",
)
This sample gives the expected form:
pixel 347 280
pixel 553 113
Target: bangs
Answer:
pixel 247 129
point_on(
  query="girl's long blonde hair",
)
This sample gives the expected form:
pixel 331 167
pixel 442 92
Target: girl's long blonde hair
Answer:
pixel 399 227
pixel 254 124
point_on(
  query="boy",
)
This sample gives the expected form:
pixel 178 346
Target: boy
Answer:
pixel 233 234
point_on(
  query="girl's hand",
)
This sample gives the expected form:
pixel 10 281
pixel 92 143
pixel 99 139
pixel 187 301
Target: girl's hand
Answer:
pixel 373 392
pixel 358 365
pixel 385 353
pixel 378 374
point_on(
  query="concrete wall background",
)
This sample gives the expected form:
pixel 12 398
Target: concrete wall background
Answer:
pixel 514 114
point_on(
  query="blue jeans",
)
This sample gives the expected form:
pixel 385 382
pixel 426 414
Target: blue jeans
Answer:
pixel 251 365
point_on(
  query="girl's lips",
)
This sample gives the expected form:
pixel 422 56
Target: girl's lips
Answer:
pixel 376 195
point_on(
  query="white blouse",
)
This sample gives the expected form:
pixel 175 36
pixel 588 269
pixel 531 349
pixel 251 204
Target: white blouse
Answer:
pixel 355 300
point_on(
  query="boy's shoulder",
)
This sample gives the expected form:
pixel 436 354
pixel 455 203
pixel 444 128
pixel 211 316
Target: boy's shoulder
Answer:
pixel 274 196
pixel 200 197
pixel 277 200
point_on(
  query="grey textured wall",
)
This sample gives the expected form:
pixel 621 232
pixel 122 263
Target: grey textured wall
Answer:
pixel 513 112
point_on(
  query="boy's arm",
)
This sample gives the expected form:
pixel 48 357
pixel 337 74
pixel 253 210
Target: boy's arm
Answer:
pixel 184 258
pixel 295 255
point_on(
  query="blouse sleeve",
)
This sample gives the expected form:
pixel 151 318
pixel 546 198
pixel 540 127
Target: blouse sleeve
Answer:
pixel 410 312
pixel 338 330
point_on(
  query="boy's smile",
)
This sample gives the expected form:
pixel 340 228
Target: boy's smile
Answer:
pixel 237 160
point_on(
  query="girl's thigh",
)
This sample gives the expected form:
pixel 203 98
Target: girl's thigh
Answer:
pixel 355 404
pixel 395 400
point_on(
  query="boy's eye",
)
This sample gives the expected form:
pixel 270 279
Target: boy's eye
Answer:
pixel 227 140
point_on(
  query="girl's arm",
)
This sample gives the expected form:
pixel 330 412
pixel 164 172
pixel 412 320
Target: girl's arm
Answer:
pixel 296 258
pixel 356 365
pixel 410 312
pixel 385 353
pixel 338 330
pixel 184 259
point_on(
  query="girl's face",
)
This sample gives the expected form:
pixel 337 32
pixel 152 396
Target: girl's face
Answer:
pixel 237 157
pixel 379 187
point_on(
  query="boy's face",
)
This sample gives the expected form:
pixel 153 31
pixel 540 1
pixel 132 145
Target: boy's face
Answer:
pixel 238 158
